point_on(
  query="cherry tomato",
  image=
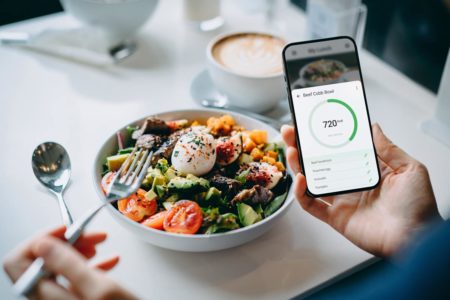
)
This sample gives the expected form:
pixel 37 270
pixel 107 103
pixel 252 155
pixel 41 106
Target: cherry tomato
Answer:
pixel 106 180
pixel 156 221
pixel 137 207
pixel 184 217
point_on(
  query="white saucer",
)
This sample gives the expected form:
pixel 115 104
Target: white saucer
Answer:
pixel 202 88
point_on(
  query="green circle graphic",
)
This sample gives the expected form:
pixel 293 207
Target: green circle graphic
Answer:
pixel 348 107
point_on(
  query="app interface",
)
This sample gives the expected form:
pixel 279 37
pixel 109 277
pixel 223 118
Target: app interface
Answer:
pixel 331 117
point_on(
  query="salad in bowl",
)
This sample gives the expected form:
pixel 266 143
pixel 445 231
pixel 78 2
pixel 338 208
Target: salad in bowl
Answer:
pixel 210 176
pixel 322 72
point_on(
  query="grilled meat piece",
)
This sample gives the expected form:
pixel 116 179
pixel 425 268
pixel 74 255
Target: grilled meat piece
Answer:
pixel 166 149
pixel 149 141
pixel 256 195
pixel 226 185
pixel 151 125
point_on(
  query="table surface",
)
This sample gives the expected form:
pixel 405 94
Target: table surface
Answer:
pixel 45 98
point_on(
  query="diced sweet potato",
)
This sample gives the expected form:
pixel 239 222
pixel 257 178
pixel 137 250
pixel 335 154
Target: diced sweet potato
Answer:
pixel 220 126
pixel 280 166
pixel 272 154
pixel 269 160
pixel 227 119
pixel 257 154
pixel 258 136
pixel 249 145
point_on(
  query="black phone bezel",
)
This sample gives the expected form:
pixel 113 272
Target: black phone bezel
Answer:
pixel 291 107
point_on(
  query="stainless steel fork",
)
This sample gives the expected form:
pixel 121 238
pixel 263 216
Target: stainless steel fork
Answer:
pixel 124 183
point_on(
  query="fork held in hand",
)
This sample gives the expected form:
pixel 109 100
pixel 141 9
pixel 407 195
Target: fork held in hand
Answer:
pixel 124 183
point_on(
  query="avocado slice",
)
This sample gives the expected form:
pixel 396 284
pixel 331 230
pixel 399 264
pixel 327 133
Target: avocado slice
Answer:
pixel 152 173
pixel 170 173
pixel 159 180
pixel 150 195
pixel 181 185
pixel 115 162
pixel 202 183
pixel 242 177
pixel 245 159
pixel 247 215
pixel 189 185
pixel 161 190
pixel 213 195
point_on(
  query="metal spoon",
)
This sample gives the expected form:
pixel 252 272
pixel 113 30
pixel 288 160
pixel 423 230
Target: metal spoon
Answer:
pixel 51 166
pixel 117 52
pixel 122 51
pixel 213 103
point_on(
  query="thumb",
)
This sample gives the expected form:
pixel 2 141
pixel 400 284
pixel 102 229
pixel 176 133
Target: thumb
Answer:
pixel 62 259
pixel 288 134
pixel 388 152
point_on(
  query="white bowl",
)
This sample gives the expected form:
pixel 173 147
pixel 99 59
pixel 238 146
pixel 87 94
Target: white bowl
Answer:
pixel 197 242
pixel 120 19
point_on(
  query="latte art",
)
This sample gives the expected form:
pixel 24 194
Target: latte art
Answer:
pixel 250 54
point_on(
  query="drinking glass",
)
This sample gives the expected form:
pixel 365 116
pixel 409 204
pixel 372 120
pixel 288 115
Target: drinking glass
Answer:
pixel 203 15
pixel 328 18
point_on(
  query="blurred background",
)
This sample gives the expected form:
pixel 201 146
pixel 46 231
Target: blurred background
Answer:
pixel 410 35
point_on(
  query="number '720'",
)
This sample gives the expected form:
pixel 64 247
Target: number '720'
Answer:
pixel 331 123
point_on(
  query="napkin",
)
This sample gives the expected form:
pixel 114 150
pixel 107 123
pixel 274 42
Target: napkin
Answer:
pixel 85 44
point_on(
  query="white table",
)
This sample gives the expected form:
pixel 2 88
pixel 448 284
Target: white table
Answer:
pixel 43 98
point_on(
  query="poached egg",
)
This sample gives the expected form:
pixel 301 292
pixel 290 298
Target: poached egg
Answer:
pixel 194 153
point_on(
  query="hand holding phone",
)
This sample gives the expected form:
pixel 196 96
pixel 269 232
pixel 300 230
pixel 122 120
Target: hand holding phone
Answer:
pixel 380 221
pixel 329 109
pixel 376 204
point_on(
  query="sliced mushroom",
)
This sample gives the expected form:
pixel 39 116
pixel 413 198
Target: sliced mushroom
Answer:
pixel 255 195
pixel 227 185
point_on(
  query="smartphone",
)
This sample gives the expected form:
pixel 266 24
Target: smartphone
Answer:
pixel 329 109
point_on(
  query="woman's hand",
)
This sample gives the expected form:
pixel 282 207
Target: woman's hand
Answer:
pixel 61 259
pixel 381 220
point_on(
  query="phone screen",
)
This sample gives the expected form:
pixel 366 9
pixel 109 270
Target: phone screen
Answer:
pixel 329 108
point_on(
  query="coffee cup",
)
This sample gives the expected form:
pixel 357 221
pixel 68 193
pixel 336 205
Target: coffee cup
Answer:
pixel 247 68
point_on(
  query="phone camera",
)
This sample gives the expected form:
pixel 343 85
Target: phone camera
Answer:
pixel 294 53
pixel 347 45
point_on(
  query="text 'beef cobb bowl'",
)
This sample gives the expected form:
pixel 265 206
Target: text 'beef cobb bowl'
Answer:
pixel 216 180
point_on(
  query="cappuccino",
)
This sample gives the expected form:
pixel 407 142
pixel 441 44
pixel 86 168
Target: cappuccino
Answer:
pixel 250 54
